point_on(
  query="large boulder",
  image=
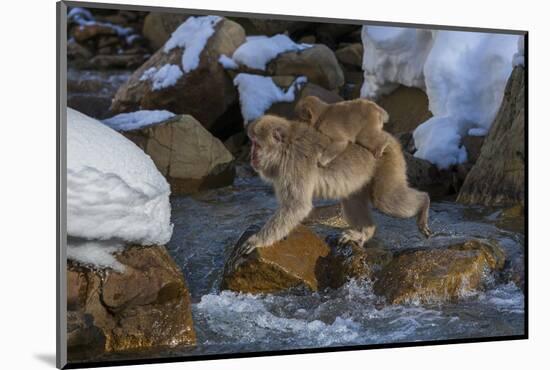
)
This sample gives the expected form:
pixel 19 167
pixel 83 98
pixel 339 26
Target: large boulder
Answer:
pixel 157 27
pixel 186 154
pixel 407 107
pixel 318 64
pixel 438 274
pixel 146 305
pixel 205 92
pixel 498 177
pixel 290 263
pixel 351 55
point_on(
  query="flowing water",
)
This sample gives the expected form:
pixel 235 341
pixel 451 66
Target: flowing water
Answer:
pixel 207 225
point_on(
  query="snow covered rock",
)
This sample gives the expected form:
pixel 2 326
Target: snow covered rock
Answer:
pixel 498 177
pixel 145 306
pixel 114 191
pixel 194 82
pixel 318 63
pixel 258 51
pixel 258 93
pixel 188 156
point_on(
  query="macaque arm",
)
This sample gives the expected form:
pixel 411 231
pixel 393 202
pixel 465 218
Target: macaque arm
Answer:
pixel 379 149
pixel 332 151
pixel 294 207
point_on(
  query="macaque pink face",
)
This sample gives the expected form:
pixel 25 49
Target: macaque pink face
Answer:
pixel 266 137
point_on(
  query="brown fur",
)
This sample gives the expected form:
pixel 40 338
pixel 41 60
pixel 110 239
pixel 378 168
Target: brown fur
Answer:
pixel 359 121
pixel 285 153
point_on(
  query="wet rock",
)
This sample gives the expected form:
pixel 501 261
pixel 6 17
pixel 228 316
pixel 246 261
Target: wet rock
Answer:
pixel 318 64
pixel 157 27
pixel 498 177
pixel 145 306
pixel 188 156
pixel 205 92
pixel 121 61
pixel 438 274
pixel 290 263
pixel 407 107
pixel 351 261
pixel 351 55
pixel 512 219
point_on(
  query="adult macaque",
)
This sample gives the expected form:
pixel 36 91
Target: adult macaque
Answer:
pixel 286 153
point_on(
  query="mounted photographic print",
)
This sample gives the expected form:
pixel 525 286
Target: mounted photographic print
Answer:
pixel 236 184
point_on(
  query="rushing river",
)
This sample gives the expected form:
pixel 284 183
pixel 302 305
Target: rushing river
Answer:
pixel 207 225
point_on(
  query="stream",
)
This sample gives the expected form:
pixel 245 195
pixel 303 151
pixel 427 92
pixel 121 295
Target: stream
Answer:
pixel 207 225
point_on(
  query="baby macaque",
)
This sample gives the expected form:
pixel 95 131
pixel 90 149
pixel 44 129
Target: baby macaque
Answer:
pixel 358 121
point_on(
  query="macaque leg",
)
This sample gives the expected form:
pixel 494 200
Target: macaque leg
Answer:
pixel 356 211
pixel 335 148
pixel 405 202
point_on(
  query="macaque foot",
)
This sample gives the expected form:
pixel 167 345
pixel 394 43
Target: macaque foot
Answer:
pixel 240 254
pixel 357 237
pixel 425 230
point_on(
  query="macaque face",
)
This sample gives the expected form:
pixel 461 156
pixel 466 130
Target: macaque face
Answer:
pixel 267 136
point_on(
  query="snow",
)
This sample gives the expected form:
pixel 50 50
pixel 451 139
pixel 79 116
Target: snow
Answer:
pixel 257 51
pixel 115 193
pixel 191 36
pixel 227 62
pixel 164 77
pixel 97 254
pixel 258 93
pixel 392 56
pixel 476 131
pixel 466 74
pixel 463 73
pixel 137 120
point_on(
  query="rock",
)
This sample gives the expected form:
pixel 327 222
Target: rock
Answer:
pixel 407 107
pixel 331 34
pixel 290 263
pixel 287 110
pixel 425 176
pixel 272 27
pixel 498 176
pixel 77 51
pixel 235 143
pixel 188 156
pixel 157 27
pixel 351 261
pixel 307 39
pixel 438 274
pixel 85 33
pixel 317 63
pixel 84 339
pixel 351 55
pixel 148 305
pixel 473 146
pixel 205 92
pixel 513 219
pixel 121 61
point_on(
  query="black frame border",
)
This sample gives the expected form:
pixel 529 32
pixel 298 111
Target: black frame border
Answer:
pixel 61 105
